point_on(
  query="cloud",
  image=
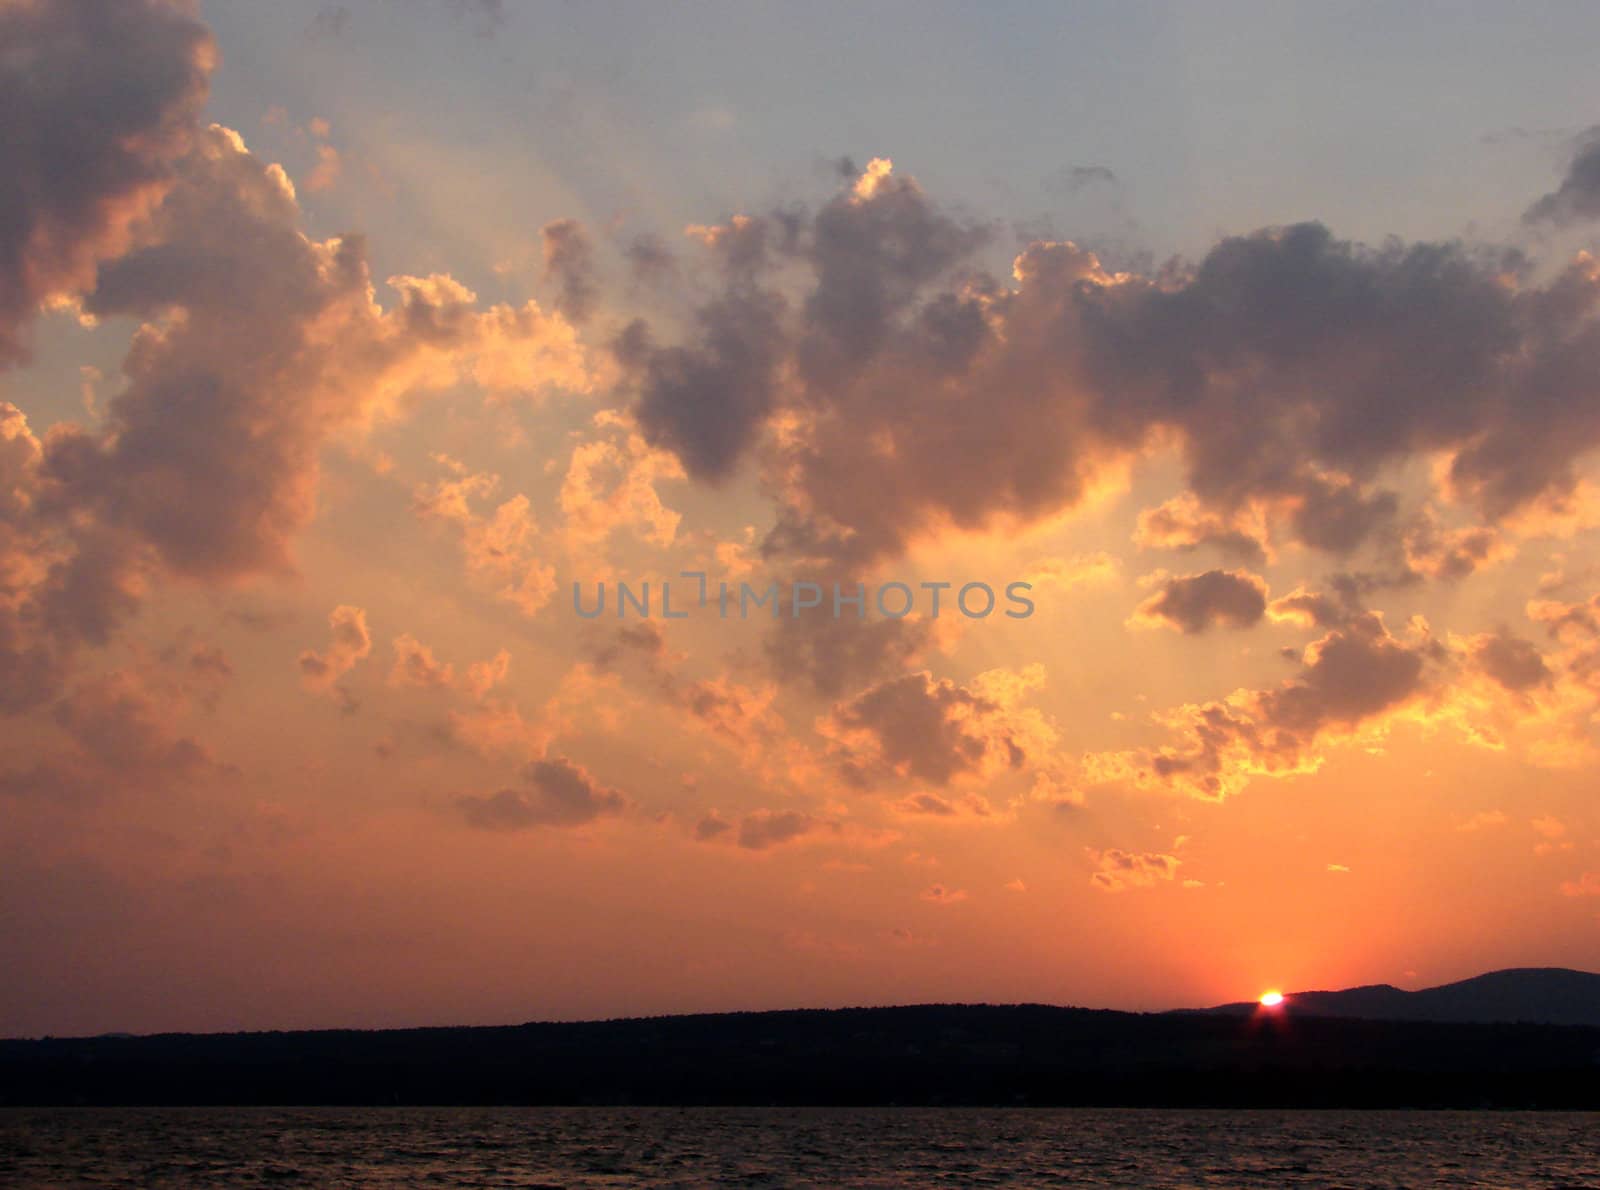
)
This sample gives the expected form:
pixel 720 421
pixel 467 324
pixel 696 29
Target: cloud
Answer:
pixel 772 828
pixel 762 830
pixel 933 730
pixel 122 84
pixel 711 826
pixel 1184 524
pixel 1511 661
pixel 256 345
pixel 1073 178
pixel 569 261
pixel 835 655
pixel 1117 870
pixel 1196 602
pixel 350 643
pixel 939 894
pixel 553 793
pixel 1483 820
pixel 501 548
pixel 415 666
pixel 707 402
pixel 893 390
pixel 933 805
pixel 1353 678
pixel 610 484
pixel 1309 609
pixel 123 728
pixel 1549 827
pixel 1586 885
pixel 1578 197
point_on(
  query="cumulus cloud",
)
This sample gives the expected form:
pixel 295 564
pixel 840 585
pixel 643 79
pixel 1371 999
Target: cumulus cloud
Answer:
pixel 122 85
pixel 569 262
pixel 1184 524
pixel 835 655
pixel 762 830
pixel 415 666
pixel 552 793
pixel 125 736
pixel 1117 870
pixel 1196 602
pixel 350 642
pixel 772 828
pixel 941 894
pixel 921 728
pixel 1511 661
pixel 1351 678
pixel 1586 885
pixel 896 390
pixel 934 805
pixel 502 546
pixel 256 344
pixel 1578 197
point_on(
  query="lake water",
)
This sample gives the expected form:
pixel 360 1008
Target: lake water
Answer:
pixel 627 1147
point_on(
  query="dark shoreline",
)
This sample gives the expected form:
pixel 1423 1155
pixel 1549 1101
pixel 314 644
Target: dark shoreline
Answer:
pixel 921 1056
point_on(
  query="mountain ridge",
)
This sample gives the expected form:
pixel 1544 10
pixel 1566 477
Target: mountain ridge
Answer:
pixel 1529 995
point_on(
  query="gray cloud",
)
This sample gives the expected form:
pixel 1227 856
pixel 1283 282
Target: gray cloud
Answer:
pixel 1513 662
pixel 569 261
pixel 1288 366
pixel 1578 197
pixel 97 101
pixel 554 793
pixel 1196 602
pixel 1356 672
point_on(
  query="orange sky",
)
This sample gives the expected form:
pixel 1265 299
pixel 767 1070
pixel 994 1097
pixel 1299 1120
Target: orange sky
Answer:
pixel 300 727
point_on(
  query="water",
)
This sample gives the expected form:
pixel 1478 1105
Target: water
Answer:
pixel 754 1147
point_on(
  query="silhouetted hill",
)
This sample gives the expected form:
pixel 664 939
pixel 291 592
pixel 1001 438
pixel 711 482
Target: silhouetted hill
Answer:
pixel 1542 995
pixel 930 1054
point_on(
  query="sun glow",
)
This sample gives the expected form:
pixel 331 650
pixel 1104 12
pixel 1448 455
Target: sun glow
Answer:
pixel 1271 999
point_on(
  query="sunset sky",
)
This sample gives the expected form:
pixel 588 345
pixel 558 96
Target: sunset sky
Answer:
pixel 338 341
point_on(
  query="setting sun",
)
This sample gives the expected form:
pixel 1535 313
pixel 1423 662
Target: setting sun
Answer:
pixel 1271 999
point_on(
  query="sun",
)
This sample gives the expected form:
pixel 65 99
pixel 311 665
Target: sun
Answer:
pixel 1271 999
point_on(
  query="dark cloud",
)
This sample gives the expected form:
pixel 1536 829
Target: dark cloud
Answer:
pixel 711 826
pixel 63 585
pixel 1513 662
pixel 1196 602
pixel 1290 368
pixel 1578 197
pixel 554 793
pixel 972 805
pixel 569 261
pixel 772 828
pixel 124 738
pixel 97 102
pixel 1312 609
pixel 872 251
pixel 707 402
pixel 760 830
pixel 1182 524
pixel 650 260
pixel 933 730
pixel 1117 870
pixel 117 722
pixel 1070 179
pixel 332 21
pixel 1349 677
pixel 833 656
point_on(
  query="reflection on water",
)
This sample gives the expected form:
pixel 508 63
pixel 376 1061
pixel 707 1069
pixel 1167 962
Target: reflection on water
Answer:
pixel 625 1147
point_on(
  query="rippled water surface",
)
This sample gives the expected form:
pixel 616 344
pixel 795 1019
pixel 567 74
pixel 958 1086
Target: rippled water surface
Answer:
pixel 626 1147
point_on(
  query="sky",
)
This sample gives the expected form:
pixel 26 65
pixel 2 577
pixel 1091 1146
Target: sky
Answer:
pixel 349 351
